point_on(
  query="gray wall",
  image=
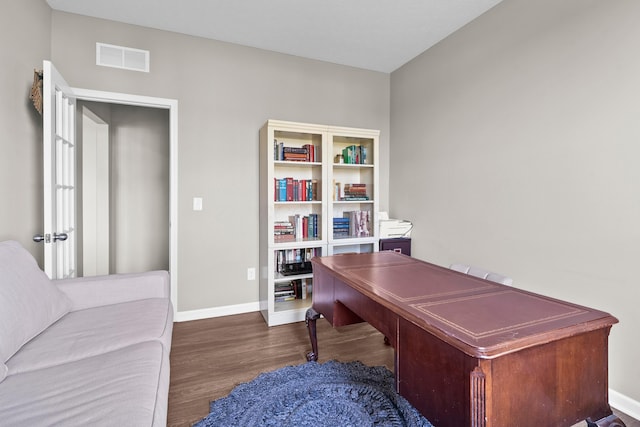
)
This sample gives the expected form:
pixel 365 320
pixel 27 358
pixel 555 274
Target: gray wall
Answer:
pixel 225 93
pixel 520 137
pixel 25 29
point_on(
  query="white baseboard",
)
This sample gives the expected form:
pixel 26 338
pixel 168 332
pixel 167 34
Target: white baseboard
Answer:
pixel 624 404
pixel 206 313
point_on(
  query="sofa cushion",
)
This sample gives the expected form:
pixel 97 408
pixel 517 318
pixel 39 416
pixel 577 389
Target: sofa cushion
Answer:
pixel 29 302
pixel 118 388
pixel 86 333
pixel 88 292
pixel 3 371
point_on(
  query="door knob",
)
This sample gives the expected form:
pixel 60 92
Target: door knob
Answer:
pixel 47 237
pixel 60 236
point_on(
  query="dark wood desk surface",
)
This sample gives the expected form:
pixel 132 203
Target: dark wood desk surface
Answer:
pixel 452 332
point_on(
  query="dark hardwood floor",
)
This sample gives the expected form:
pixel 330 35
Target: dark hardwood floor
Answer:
pixel 210 357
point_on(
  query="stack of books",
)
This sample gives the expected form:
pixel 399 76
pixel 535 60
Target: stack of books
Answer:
pixel 283 231
pixel 355 192
pixel 284 292
pixel 292 290
pixel 340 228
pixel 295 154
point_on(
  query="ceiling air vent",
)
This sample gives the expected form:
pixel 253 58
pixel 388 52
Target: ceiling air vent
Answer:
pixel 126 58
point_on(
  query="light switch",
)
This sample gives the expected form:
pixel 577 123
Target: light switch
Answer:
pixel 197 203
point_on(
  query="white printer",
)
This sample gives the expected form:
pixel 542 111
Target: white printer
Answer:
pixel 393 228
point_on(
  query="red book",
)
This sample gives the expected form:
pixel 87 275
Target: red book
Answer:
pixel 289 189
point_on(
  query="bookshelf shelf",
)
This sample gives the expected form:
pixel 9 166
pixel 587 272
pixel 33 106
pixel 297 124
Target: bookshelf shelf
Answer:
pixel 354 166
pixel 296 244
pixel 282 278
pixel 289 163
pixel 300 166
pixel 353 202
pixel 292 306
pixel 299 202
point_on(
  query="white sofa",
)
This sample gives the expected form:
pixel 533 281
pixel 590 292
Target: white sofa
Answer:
pixel 82 352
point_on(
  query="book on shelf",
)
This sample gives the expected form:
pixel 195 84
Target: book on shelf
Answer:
pixel 295 150
pixel 306 153
pixel 292 290
pixel 352 224
pixel 355 198
pixel 355 192
pixel 295 154
pixel 340 228
pixel 283 231
pixel 297 227
pixel 295 190
pixel 313 153
pixel 355 154
pixel 359 223
pixel 294 261
pixel 297 224
pixel 304 288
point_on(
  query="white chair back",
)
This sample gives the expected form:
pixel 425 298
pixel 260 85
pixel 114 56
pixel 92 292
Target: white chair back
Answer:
pixel 482 273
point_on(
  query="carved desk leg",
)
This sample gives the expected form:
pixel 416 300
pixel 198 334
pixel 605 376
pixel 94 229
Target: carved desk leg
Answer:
pixel 310 319
pixel 610 421
pixel 478 398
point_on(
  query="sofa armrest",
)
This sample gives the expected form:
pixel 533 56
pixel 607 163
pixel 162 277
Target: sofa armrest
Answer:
pixel 87 292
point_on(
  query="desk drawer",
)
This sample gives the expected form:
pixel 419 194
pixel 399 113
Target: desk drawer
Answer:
pixel 401 245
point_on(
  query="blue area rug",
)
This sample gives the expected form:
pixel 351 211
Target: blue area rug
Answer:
pixel 332 394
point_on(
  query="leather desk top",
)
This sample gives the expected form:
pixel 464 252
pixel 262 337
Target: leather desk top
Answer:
pixel 481 318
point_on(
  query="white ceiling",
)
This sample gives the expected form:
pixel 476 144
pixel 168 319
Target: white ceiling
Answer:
pixel 379 35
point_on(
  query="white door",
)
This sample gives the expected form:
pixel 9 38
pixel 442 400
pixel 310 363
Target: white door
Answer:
pixel 59 156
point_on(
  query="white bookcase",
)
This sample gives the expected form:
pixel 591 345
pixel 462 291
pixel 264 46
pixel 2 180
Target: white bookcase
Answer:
pixel 362 172
pixel 298 195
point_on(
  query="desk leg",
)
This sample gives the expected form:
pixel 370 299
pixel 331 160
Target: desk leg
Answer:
pixel 478 398
pixel 310 319
pixel 610 421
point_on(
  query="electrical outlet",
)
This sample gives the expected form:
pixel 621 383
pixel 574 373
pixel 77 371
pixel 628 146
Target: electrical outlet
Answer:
pixel 251 273
pixel 197 203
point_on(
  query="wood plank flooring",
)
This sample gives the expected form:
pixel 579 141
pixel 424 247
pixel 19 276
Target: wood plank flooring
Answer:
pixel 210 357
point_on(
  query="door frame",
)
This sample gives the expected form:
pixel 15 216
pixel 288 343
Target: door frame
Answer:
pixel 172 106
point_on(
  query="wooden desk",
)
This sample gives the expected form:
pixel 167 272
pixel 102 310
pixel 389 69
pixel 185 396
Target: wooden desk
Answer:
pixel 469 352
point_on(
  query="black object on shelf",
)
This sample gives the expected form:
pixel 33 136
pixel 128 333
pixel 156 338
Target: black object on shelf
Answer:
pixel 302 267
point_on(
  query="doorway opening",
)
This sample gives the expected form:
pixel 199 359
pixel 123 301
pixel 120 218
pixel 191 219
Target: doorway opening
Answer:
pixel 123 154
pixel 167 109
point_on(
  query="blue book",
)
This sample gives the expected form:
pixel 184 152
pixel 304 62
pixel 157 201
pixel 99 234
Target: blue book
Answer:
pixel 282 190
